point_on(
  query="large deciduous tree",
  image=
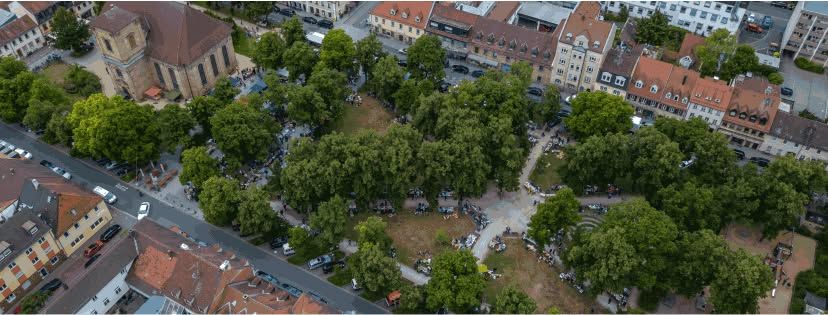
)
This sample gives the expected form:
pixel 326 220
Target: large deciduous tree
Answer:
pixel 426 58
pixel 338 51
pixel 652 30
pixel 69 31
pixel 599 113
pixel 202 108
pixel 299 60
pixel 455 282
pixel 173 126
pixel 243 133
pixel 197 166
pixel 45 100
pixel 513 301
pixel 330 219
pixel 691 206
pixel 219 200
pixel 741 280
pixel 656 162
pixel 15 83
pixel 374 270
pixel 307 106
pixel 292 31
pixel 372 230
pixel 224 91
pixel 81 81
pixel 700 255
pixel 719 43
pixel 386 78
pixel 115 128
pixel 549 107
pixel 557 213
pixel 269 50
pixel 368 53
pixel 714 160
pixel 255 215
pixel 599 161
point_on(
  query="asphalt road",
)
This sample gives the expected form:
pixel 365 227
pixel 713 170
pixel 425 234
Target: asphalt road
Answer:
pixel 128 201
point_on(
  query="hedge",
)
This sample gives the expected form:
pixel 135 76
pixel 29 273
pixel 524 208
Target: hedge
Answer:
pixel 807 65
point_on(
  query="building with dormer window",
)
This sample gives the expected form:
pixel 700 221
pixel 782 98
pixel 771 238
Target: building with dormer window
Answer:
pixel 164 45
pixel 499 45
pixel 582 43
pixel 661 89
pixel 402 20
pixel 751 111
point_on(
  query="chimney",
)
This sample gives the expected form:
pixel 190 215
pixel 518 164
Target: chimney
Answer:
pixel 35 183
pixel 171 254
pixel 225 265
pixel 684 80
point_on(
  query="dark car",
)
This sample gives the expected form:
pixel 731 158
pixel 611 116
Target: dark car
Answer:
pixel 287 12
pixel 110 232
pixel 309 20
pixel 739 154
pixel 444 86
pixel 477 73
pixel 402 63
pixel 51 286
pixel 787 91
pixel 327 268
pixel 763 162
pixel 278 242
pixel 767 22
pixel 325 23
pixel 564 113
pixel 46 163
pixel 534 91
pixel 91 261
pixel 460 69
pixel 93 249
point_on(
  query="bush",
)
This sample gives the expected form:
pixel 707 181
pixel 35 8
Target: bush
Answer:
pixel 807 65
pixel 32 303
pixel 776 78
pixel 442 238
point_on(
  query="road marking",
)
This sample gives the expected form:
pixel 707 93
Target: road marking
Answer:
pixel 121 187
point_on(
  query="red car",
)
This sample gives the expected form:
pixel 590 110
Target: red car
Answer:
pixel 93 249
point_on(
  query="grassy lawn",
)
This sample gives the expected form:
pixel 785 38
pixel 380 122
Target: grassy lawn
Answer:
pixel 545 173
pixel 521 268
pixel 369 115
pixel 243 44
pixel 56 72
pixel 341 277
pixel 412 233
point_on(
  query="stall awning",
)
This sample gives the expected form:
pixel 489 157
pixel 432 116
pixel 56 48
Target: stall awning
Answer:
pixel 483 60
pixel 153 93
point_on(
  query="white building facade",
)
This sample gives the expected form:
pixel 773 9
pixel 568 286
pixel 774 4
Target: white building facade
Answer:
pixel 101 302
pixel 20 38
pixel 700 17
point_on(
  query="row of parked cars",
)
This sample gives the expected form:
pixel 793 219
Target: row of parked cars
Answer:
pixel 13 152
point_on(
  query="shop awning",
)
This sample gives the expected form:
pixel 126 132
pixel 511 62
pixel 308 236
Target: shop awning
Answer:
pixel 153 92
pixel 483 60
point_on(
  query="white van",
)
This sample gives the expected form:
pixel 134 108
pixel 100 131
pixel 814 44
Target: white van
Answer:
pixel 287 250
pixel 105 194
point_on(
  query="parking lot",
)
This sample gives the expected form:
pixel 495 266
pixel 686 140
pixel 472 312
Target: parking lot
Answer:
pixel 761 41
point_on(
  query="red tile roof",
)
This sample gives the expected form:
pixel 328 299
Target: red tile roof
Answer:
pixel 405 12
pixel 757 99
pixel 36 6
pixel 503 10
pixel 582 23
pixel 680 84
pixel 16 29
pixel 712 93
pixel 514 41
pixel 650 72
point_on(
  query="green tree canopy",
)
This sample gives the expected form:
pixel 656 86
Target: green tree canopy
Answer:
pixel 740 282
pixel 330 219
pixel 45 100
pixel 714 159
pixel 407 95
pixel 202 108
pixel 15 84
pixel 549 107
pixel 656 162
pixel 599 161
pixel 299 60
pixel 743 60
pixel 255 214
pixel 387 77
pixel 219 200
pixel 243 133
pixel 114 128
pixel 81 81
pixel 306 105
pixel 292 31
pixel 652 30
pixel 368 52
pixel 338 51
pixel 332 84
pixel 426 57
pixel 699 258
pixel 372 230
pixel 691 206
pixel 513 301
pixel 374 270
pixel 69 31
pixel 269 50
pixel 719 43
pixel 557 213
pixel 173 126
pixel 599 113
pixel 224 91
pixel 197 166
pixel 455 282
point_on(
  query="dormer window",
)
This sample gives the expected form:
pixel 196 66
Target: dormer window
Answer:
pixel 668 95
pixel 742 115
pixel 393 12
pixel 568 35
pixel 718 100
pixel 417 19
pixel 596 44
pixel 535 52
pixel 512 44
pixel 752 118
pixel 501 42
pixel 675 97
pixel 639 84
pixel 404 15
pixel 763 121
pixel 653 89
pixel 733 113
pixel 490 39
pixel 684 100
pixel 523 48
pixel 546 54
pixel 479 36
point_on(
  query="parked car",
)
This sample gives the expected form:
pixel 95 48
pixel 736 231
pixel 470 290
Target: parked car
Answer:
pixel 62 172
pixel 564 113
pixel 460 69
pixel 105 194
pixel 287 12
pixel 767 22
pixel 763 162
pixel 110 232
pixel 753 27
pixel 403 51
pixel 327 268
pixel 277 242
pixel 477 73
pixel 319 261
pixel 534 91
pixel 287 250
pixel 787 91
pixel 325 23
pixel 402 63
pixel 143 210
pixel 739 154
pixel 317 297
pixel 570 98
pixel 354 285
pixel 46 164
pixel 93 249
pixel 23 153
pixel 112 165
pixel 91 260
pixel 309 20
pixel 444 86
pixel 51 286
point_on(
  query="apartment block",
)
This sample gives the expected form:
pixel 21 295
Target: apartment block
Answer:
pixel 751 112
pixel 660 89
pixel 700 17
pixel 404 21
pixel 806 33
pixel 582 44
